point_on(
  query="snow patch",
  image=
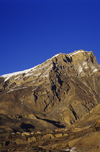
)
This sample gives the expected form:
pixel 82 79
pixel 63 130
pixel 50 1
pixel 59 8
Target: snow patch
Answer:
pixel 37 74
pixel 93 67
pixel 16 89
pixel 67 150
pixel 29 74
pixel 35 88
pixel 17 78
pixel 49 68
pixel 95 70
pixel 46 75
pixel 80 68
pixel 85 65
pixel 39 67
pixel 73 149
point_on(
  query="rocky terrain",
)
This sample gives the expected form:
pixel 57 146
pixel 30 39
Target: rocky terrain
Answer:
pixel 53 106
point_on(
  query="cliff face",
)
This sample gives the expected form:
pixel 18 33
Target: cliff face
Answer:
pixel 64 88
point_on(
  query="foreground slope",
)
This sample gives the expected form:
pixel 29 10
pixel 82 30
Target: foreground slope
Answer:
pixel 62 92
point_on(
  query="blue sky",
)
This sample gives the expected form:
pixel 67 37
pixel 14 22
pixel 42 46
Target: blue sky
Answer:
pixel 31 31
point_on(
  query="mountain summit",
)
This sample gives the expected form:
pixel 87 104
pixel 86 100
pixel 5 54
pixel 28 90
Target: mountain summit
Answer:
pixel 51 85
pixel 62 91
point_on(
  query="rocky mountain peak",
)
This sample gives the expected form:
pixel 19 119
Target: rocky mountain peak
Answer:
pixel 52 86
pixel 63 92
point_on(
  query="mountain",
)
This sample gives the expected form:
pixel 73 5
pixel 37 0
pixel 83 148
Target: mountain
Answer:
pixel 62 92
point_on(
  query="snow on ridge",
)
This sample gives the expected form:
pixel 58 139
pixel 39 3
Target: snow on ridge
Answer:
pixel 53 57
pixel 7 76
pixel 17 73
pixel 56 55
pixel 76 52
pixel 29 71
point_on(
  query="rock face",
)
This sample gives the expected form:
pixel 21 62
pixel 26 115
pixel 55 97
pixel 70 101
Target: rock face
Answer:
pixel 61 92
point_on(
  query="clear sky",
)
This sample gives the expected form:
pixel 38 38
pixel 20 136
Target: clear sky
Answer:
pixel 31 31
